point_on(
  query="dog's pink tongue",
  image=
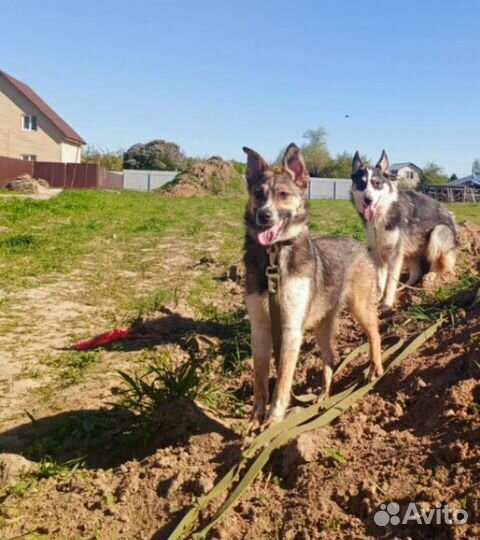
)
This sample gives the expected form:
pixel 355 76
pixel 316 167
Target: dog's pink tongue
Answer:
pixel 369 213
pixel 268 236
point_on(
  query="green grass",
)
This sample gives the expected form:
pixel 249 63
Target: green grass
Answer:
pixel 336 455
pixel 43 237
pixel 54 236
pixel 163 383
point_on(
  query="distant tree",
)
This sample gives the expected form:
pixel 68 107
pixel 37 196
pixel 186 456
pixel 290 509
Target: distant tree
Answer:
pixel 155 155
pixel 453 177
pixel 112 160
pixel 339 167
pixel 476 167
pixel 432 175
pixel 315 151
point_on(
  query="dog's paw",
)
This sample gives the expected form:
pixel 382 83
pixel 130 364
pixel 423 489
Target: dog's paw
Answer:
pixel 374 373
pixel 386 310
pixel 258 413
pixel 270 422
pixel 274 417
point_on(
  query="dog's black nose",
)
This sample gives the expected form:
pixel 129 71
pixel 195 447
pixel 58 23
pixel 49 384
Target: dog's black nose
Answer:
pixel 367 200
pixel 264 215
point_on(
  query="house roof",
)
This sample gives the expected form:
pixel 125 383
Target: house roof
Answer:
pixel 397 166
pixel 465 180
pixel 45 109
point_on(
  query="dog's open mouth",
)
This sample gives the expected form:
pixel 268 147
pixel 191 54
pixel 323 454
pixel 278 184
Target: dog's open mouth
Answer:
pixel 269 235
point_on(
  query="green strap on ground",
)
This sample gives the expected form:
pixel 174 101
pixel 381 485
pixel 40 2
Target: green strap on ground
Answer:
pixel 310 418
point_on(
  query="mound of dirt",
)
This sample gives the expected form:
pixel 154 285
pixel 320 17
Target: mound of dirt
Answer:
pixel 214 176
pixel 26 184
pixel 13 467
pixel 469 238
pixel 415 439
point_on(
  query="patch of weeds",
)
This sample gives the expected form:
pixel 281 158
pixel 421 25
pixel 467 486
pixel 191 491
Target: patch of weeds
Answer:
pixel 19 489
pixel 195 228
pixel 430 314
pixel 277 481
pixel 73 365
pixel 48 468
pixel 163 384
pixel 229 402
pixel 108 500
pixel 19 243
pixel 235 352
pixel 34 374
pixel 336 455
pixel 333 524
pixel 235 336
pixel 263 499
pixel 474 408
pixel 465 282
pixel 422 313
pixel 153 224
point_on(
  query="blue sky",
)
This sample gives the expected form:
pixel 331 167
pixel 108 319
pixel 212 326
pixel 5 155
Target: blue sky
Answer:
pixel 215 75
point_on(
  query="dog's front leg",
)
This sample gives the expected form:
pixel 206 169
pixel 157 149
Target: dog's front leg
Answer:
pixel 382 275
pixel 394 270
pixel 291 342
pixel 261 340
pixel 295 295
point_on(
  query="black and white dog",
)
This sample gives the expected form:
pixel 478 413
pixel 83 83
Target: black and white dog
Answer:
pixel 401 226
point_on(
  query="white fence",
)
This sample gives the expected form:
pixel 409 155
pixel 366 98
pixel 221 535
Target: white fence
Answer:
pixel 329 188
pixel 318 188
pixel 146 180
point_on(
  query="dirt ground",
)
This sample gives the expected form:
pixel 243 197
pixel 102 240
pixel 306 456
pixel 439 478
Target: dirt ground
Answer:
pixel 415 438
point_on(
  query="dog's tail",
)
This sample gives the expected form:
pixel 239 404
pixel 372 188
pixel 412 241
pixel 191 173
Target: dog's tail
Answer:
pixel 442 249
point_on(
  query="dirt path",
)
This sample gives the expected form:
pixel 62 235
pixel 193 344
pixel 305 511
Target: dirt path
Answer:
pixel 40 325
pixel 40 322
pixel 44 195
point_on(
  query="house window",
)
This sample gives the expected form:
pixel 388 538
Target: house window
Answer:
pixel 29 123
pixel 29 157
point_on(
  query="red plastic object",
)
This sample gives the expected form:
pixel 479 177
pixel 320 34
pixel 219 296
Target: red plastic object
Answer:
pixel 117 334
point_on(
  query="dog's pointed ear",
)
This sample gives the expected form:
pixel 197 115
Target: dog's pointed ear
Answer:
pixel 357 163
pixel 294 164
pixel 256 166
pixel 383 164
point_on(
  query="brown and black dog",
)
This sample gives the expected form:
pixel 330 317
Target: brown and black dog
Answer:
pixel 317 278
